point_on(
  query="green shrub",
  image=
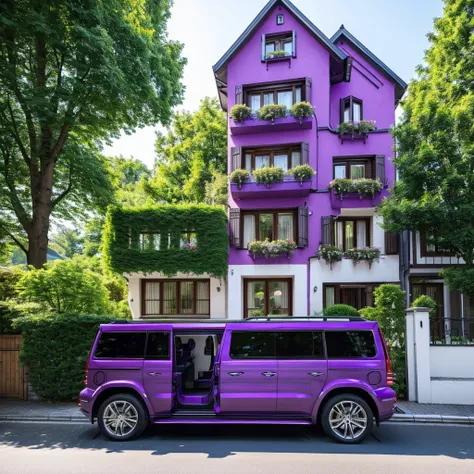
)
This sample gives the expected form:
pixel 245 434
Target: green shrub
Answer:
pixel 301 110
pixel 424 301
pixel 240 112
pixel 362 186
pixel 272 112
pixel 340 310
pixel 277 54
pixel 272 249
pixel 165 226
pixel 55 350
pixel 65 286
pixel 302 172
pixel 239 177
pixel 12 309
pixel 389 311
pixel 269 175
pixel 9 278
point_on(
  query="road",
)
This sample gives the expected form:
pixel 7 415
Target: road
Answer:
pixel 75 448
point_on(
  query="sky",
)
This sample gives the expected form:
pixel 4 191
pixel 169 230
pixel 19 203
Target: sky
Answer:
pixel 394 30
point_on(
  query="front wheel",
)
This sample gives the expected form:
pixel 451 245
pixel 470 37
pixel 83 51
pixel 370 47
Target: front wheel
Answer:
pixel 347 418
pixel 122 417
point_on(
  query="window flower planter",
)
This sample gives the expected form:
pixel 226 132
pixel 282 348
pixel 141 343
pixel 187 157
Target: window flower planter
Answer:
pixel 268 176
pixel 301 173
pixel 239 177
pixel 271 249
pixel 240 112
pixel 355 130
pixel 366 254
pixel 363 187
pixel 330 254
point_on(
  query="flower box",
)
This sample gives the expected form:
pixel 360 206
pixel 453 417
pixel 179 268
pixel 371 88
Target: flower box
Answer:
pixel 271 249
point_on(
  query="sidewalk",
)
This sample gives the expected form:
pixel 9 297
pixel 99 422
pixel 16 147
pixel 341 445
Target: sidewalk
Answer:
pixel 11 410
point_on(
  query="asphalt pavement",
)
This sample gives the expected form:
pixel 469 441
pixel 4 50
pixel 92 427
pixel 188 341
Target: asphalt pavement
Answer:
pixel 28 447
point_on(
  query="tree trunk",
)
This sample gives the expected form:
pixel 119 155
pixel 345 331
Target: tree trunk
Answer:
pixel 42 190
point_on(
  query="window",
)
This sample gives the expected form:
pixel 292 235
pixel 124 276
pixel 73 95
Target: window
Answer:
pixel 299 345
pixel 123 345
pixel 353 168
pixel 175 297
pixel 359 296
pixel 345 344
pixel 285 157
pixel 432 246
pixel 271 225
pixel 264 297
pixel 158 346
pixel 280 19
pixel 285 93
pixel 165 240
pixel 351 109
pixel 252 345
pixel 350 233
pixel 283 42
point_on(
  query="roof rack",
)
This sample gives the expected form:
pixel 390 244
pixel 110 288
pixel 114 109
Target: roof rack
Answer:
pixel 305 318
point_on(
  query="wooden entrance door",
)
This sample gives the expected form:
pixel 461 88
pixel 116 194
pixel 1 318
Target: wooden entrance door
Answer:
pixel 12 376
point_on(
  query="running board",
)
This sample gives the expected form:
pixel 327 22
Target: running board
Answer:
pixel 220 420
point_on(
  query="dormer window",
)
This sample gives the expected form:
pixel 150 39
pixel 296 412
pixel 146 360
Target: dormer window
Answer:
pixel 279 45
pixel 351 109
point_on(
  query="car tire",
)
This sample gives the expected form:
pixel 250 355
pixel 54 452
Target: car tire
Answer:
pixel 347 418
pixel 122 417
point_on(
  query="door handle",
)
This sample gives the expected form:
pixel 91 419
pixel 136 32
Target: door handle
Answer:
pixel 235 374
pixel 315 374
pixel 269 374
pixel 154 374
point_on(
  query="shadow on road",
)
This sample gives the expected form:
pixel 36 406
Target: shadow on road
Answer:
pixel 221 441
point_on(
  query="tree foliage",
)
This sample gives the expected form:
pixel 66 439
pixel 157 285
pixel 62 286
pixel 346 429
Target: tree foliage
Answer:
pixel 73 74
pixel 435 143
pixel 194 147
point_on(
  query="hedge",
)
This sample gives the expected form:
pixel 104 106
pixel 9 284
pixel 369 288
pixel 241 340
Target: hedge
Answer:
pixel 12 309
pixel 55 350
pixel 163 227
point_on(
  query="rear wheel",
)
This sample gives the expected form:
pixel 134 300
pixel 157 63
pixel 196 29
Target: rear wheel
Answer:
pixel 122 417
pixel 347 418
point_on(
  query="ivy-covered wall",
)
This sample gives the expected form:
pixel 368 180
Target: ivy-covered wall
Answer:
pixel 152 239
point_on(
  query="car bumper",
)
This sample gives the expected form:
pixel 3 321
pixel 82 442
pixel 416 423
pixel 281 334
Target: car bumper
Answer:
pixel 386 399
pixel 85 403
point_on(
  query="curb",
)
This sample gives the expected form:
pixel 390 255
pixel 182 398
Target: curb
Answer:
pixel 51 418
pixel 436 418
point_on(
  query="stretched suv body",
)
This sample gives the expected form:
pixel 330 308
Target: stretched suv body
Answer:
pixel 337 373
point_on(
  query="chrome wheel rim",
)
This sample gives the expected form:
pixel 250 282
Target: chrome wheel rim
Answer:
pixel 348 420
pixel 120 418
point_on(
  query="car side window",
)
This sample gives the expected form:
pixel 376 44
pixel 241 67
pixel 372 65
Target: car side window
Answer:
pixel 299 345
pixel 349 344
pixel 252 345
pixel 158 346
pixel 121 345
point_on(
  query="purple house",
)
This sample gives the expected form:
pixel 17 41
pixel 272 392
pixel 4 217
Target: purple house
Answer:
pixel 283 58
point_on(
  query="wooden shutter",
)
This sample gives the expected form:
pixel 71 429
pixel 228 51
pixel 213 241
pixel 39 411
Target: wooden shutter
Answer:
pixel 234 227
pixel 236 158
pixel 380 168
pixel 327 230
pixel 307 89
pixel 304 153
pixel 302 226
pixel 293 44
pixel 239 96
pixel 341 111
pixel 263 48
pixel 391 243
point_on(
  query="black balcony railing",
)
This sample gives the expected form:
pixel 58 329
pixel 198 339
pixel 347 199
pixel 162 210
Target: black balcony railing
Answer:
pixel 452 331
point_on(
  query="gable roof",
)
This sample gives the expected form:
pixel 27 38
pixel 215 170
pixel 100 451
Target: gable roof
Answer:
pixel 261 16
pixel 400 84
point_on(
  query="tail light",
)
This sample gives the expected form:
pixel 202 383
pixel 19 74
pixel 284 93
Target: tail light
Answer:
pixel 388 362
pixel 86 374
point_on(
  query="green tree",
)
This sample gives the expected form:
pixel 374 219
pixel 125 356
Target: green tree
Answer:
pixel 194 148
pixel 72 75
pixel 435 145
pixel 216 191
pixel 67 242
pixel 65 286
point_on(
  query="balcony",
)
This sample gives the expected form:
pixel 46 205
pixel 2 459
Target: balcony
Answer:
pixel 254 125
pixel 271 183
pixel 356 193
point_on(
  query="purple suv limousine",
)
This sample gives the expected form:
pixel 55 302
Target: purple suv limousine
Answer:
pixel 334 372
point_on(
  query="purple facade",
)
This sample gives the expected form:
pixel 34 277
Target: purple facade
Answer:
pixel 332 73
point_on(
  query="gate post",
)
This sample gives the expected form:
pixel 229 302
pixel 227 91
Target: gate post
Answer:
pixel 417 340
